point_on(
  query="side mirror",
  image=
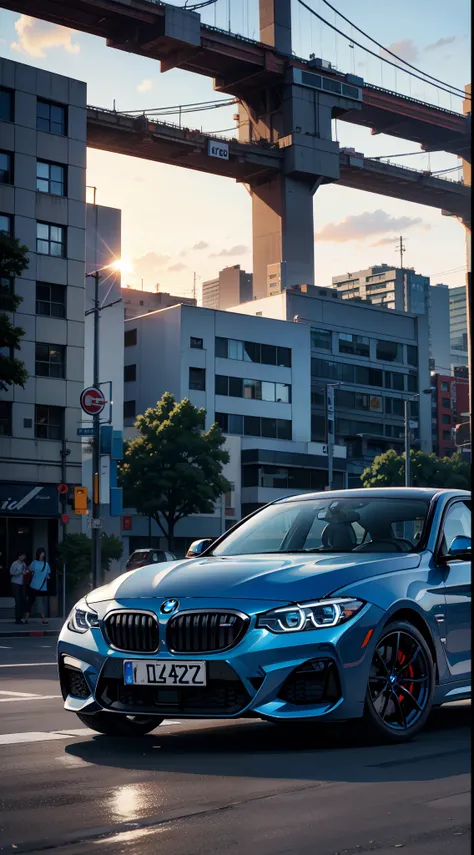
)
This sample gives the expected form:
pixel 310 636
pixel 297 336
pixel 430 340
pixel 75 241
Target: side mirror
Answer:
pixel 198 547
pixel 460 548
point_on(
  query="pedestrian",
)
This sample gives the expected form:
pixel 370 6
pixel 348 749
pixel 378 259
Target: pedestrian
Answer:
pixel 41 571
pixel 18 572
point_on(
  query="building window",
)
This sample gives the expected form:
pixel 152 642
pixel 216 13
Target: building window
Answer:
pixel 447 436
pixel 197 343
pixel 6 167
pixel 5 418
pixel 446 403
pixel 394 406
pixel 412 354
pixel 197 379
pixel 129 373
pixel 50 117
pixel 357 345
pixel 50 360
pixel 444 387
pixel 257 390
pixel 51 240
pixel 252 351
pixel 129 409
pixel 6 224
pixel 394 380
pixel 50 300
pixel 130 338
pixel 49 422
pixel 254 426
pixel 50 178
pixel 6 104
pixel 446 420
pixel 389 351
pixel 321 339
pixel 412 383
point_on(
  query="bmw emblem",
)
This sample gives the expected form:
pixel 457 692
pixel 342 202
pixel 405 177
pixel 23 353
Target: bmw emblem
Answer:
pixel 169 606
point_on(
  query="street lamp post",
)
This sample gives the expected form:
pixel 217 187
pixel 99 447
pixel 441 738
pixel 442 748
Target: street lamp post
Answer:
pixel 96 545
pixel 331 422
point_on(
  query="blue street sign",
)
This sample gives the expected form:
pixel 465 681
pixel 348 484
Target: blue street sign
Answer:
pixel 85 431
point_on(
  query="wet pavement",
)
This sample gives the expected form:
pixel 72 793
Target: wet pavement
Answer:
pixel 205 788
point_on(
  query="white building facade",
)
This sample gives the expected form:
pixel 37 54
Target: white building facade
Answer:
pixel 253 377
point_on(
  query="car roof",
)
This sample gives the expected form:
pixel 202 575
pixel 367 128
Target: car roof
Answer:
pixel 379 493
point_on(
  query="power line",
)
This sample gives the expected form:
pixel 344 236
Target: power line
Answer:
pixel 201 5
pixel 372 53
pixel 195 105
pixel 387 50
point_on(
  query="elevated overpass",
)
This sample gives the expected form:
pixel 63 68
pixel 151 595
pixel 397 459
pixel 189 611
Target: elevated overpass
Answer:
pixel 240 66
pixel 256 163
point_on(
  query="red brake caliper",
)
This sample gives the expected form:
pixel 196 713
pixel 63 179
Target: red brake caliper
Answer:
pixel 409 671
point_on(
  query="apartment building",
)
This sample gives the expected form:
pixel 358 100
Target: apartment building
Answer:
pixel 458 326
pixel 231 287
pixel 42 203
pixel 253 377
pixel 450 406
pixel 375 358
pixel 406 291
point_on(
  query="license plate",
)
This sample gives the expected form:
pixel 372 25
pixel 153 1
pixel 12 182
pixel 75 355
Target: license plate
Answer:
pixel 162 672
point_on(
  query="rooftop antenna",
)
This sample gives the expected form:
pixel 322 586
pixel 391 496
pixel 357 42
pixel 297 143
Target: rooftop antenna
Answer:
pixel 401 248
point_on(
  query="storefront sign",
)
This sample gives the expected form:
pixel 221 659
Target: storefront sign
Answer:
pixel 28 500
pixel 218 149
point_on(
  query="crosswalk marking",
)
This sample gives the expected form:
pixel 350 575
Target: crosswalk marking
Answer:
pixel 46 736
pixel 28 698
pixel 27 664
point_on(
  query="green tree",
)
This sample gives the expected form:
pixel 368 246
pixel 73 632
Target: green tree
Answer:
pixel 427 470
pixel 75 552
pixel 13 261
pixel 174 467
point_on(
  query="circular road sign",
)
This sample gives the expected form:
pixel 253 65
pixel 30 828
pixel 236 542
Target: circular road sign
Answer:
pixel 92 401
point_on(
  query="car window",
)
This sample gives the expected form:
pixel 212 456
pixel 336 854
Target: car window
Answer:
pixel 457 522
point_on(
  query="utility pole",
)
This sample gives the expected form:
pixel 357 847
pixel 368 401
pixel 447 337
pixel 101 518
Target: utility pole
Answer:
pixel 96 546
pixel 401 249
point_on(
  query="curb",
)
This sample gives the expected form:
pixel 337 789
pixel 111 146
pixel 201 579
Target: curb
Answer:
pixel 31 633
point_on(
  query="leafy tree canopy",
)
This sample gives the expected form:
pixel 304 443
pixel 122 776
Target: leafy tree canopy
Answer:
pixel 427 470
pixel 174 467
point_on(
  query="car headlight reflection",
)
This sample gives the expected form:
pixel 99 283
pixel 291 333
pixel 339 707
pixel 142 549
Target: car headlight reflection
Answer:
pixel 317 615
pixel 82 618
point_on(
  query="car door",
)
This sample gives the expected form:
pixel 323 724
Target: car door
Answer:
pixel 457 583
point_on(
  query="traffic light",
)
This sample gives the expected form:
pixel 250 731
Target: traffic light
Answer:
pixel 80 500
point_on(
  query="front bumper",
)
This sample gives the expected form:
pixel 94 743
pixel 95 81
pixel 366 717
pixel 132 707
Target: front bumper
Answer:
pixel 319 673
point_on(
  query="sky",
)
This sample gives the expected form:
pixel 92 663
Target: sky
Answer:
pixel 181 226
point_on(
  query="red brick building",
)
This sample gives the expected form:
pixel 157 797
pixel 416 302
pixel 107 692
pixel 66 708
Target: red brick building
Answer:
pixel 450 401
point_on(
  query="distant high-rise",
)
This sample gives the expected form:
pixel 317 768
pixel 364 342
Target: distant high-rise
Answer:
pixel 458 318
pixel 232 287
pixel 406 291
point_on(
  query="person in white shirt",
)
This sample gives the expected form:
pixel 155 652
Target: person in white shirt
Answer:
pixel 18 571
pixel 41 571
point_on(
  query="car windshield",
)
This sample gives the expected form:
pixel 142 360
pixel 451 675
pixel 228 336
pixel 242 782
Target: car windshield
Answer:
pixel 328 525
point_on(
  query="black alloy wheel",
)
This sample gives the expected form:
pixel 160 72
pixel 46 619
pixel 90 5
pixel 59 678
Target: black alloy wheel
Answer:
pixel 401 684
pixel 117 724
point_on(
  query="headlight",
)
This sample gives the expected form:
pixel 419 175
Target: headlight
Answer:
pixel 317 615
pixel 82 618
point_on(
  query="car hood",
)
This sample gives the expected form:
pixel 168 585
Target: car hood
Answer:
pixel 282 578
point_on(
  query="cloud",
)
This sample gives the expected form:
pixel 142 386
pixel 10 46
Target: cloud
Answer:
pixel 200 245
pixel 149 266
pixel 238 249
pixel 145 85
pixel 35 37
pixel 405 49
pixel 363 226
pixel 176 268
pixel 441 43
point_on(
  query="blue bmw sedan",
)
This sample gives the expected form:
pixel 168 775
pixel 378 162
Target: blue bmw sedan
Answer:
pixel 321 607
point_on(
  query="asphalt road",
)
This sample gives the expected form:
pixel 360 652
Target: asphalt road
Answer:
pixel 209 788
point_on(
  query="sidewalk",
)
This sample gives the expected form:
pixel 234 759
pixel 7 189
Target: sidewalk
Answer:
pixel 34 627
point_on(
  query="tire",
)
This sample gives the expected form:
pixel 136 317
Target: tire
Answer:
pixel 400 688
pixel 115 724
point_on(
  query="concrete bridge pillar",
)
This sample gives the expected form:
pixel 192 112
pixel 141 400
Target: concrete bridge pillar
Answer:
pixel 296 118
